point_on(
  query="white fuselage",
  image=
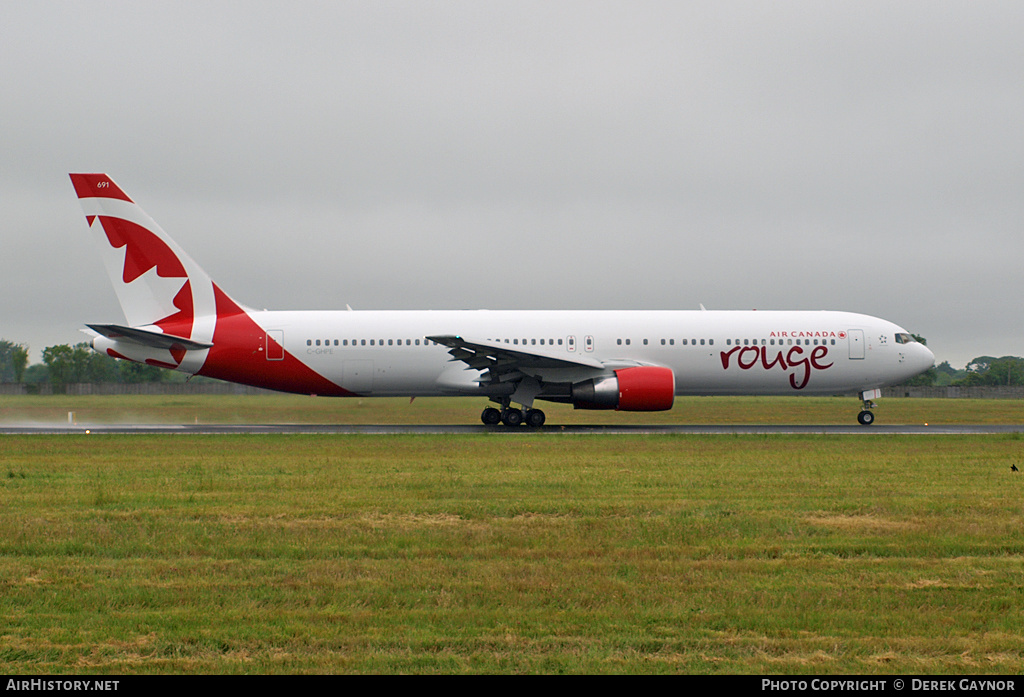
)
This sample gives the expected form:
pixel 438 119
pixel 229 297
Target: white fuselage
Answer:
pixel 386 353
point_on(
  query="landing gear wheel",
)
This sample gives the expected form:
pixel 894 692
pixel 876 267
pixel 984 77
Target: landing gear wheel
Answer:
pixel 535 418
pixel 491 416
pixel 511 417
pixel 865 418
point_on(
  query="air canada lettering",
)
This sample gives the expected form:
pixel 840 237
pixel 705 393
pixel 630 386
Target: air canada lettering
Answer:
pixel 748 357
pixel 808 335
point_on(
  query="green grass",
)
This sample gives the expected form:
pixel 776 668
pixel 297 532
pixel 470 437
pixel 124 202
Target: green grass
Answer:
pixel 209 409
pixel 554 554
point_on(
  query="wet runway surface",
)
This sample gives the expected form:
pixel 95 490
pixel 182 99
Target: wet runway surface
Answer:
pixel 475 429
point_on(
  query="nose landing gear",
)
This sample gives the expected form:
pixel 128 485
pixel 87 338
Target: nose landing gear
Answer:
pixel 866 417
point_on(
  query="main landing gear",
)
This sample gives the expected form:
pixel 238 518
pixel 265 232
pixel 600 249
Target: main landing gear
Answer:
pixel 512 417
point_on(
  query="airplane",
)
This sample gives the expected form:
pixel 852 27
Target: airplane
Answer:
pixel 178 318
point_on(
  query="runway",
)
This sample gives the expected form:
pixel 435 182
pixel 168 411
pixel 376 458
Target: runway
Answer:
pixel 473 429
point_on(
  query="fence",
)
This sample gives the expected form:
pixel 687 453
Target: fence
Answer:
pixel 951 392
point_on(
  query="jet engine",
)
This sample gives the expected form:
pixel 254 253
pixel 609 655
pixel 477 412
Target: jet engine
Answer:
pixel 644 388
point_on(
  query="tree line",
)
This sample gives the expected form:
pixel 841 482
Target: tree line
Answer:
pixel 64 364
pixel 983 370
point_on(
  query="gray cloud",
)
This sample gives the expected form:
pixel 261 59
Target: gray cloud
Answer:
pixel 860 156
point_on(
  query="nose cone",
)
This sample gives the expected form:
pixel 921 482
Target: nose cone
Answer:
pixel 920 358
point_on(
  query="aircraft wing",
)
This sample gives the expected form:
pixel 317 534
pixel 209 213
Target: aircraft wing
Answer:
pixel 144 337
pixel 501 359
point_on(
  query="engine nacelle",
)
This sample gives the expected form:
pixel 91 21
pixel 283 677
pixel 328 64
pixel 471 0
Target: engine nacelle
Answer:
pixel 644 388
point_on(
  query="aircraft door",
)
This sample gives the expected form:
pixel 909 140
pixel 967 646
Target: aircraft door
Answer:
pixel 570 343
pixel 358 376
pixel 274 349
pixel 856 339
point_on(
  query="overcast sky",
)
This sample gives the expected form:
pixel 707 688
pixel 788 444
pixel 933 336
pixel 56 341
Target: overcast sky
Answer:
pixel 861 156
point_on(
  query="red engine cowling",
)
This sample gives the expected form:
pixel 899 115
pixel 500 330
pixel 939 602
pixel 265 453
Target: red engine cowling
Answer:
pixel 645 388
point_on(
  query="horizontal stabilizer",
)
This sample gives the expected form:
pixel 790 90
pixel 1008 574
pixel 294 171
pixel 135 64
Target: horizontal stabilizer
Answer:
pixel 145 337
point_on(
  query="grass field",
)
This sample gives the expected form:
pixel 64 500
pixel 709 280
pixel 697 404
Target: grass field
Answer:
pixel 555 554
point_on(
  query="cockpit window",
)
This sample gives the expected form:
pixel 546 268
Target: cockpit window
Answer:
pixel 902 338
